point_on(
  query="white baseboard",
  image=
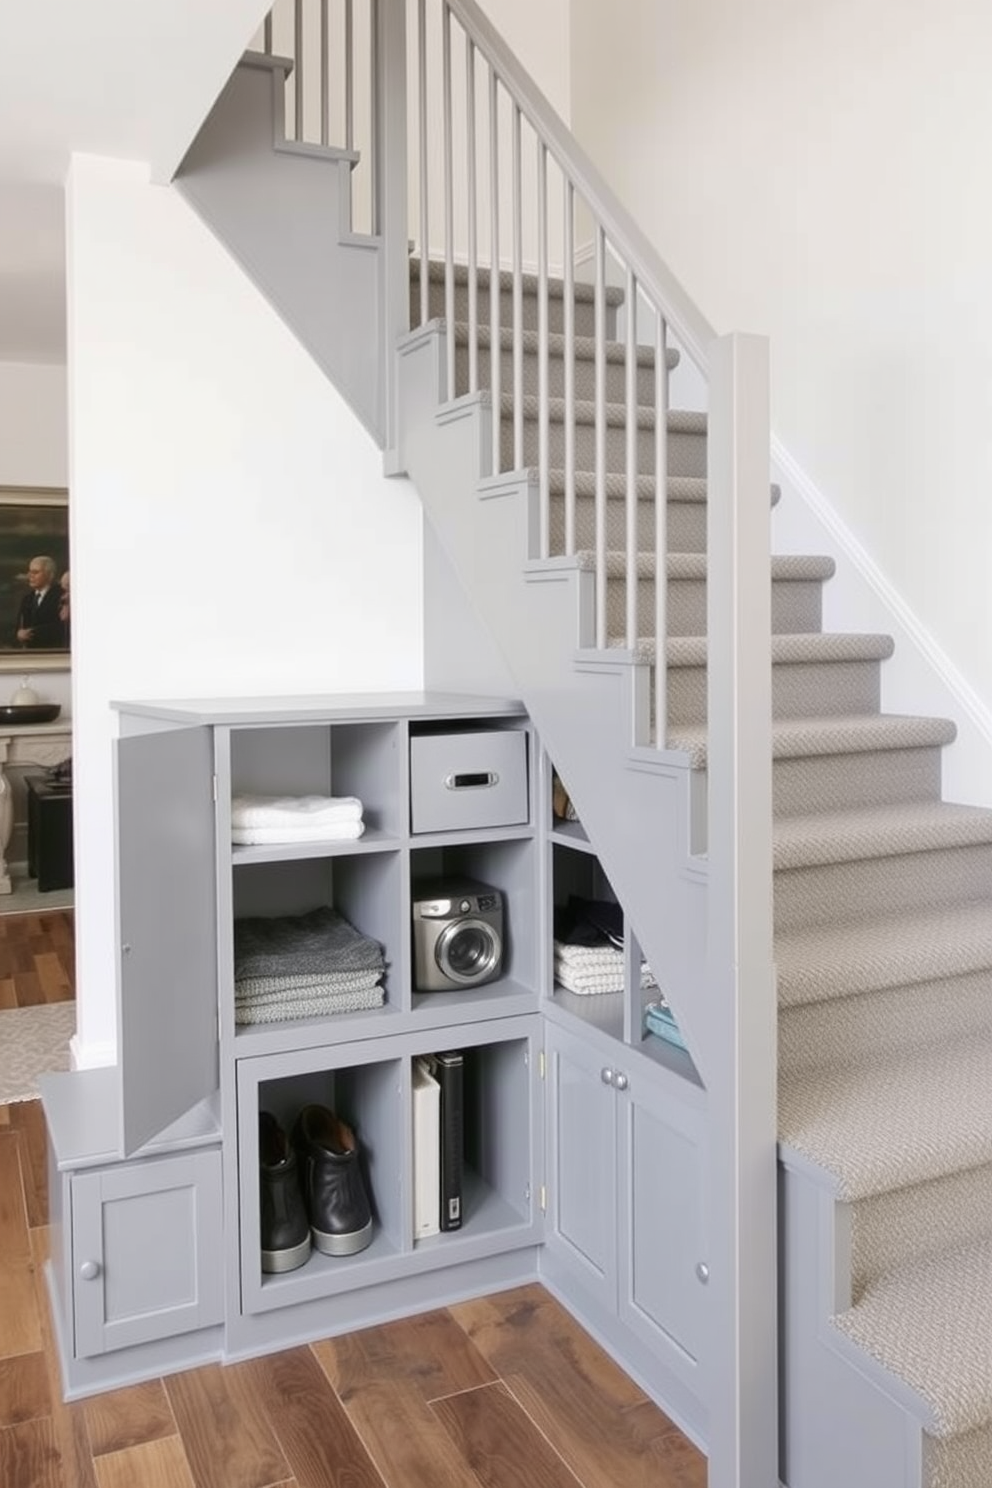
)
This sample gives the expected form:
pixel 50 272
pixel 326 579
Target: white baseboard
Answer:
pixel 90 1056
pixel 920 678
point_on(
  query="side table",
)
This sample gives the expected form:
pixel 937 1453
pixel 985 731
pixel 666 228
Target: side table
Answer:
pixel 50 858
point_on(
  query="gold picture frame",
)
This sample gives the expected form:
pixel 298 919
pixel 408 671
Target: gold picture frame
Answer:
pixel 34 521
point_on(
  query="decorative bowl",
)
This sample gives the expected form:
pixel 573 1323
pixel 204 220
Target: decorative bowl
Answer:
pixel 29 712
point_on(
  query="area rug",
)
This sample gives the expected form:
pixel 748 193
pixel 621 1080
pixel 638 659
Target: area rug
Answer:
pixel 26 899
pixel 33 1040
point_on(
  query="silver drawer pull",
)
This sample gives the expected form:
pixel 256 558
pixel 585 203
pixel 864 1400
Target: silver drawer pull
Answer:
pixel 471 780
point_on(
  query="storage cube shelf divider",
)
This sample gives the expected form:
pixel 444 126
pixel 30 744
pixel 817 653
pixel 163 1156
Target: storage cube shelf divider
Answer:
pixel 453 788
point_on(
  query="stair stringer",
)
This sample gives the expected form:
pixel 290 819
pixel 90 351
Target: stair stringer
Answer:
pixel 842 1420
pixel 283 212
pixel 635 805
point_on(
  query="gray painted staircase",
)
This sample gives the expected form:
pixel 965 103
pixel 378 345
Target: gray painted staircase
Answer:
pixel 883 894
pixel 882 890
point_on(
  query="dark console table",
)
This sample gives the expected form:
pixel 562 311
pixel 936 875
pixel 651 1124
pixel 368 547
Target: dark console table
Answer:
pixel 49 833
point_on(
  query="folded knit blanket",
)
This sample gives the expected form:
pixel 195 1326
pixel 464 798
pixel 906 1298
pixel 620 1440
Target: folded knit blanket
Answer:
pixel 272 989
pixel 595 979
pixel 293 811
pixel 309 1007
pixel 296 945
pixel 330 832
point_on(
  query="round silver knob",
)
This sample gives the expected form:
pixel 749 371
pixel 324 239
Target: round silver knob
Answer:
pixel 702 1272
pixel 606 1075
pixel 620 1081
pixel 89 1270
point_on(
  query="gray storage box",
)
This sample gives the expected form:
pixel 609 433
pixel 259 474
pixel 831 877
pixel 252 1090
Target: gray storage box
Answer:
pixel 463 780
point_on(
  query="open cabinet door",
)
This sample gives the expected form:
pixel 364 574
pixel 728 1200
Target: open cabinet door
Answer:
pixel 167 928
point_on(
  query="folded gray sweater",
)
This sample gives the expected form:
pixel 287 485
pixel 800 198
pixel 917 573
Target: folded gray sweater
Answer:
pixel 321 941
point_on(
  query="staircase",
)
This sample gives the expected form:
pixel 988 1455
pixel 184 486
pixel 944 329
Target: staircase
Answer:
pixel 883 943
pixel 882 890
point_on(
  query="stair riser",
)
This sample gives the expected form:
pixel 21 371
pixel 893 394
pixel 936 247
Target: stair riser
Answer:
pixel 584 322
pixel 843 782
pixel 796 607
pixel 686 452
pixel 963 1461
pixel 893 1229
pixel 891 1020
pixel 881 886
pixel 686 525
pixel 585 377
pixel 798 691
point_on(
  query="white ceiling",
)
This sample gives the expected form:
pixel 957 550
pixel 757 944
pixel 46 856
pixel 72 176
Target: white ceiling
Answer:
pixel 105 77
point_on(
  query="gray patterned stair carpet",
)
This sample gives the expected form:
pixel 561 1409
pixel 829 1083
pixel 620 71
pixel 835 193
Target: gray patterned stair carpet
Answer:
pixel 883 894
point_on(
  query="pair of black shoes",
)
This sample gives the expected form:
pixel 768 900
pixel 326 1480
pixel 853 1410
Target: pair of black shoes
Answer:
pixel 312 1190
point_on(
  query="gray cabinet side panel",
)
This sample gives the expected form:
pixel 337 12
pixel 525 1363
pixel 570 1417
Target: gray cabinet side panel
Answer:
pixel 167 986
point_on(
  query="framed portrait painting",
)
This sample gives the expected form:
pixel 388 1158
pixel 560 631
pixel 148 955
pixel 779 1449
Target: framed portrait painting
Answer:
pixel 34 579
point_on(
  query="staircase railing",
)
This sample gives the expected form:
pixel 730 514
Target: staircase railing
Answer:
pixel 499 199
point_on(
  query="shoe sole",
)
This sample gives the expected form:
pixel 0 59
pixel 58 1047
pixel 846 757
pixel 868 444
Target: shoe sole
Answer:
pixel 275 1262
pixel 342 1245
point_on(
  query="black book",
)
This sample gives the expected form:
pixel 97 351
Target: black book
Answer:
pixel 448 1070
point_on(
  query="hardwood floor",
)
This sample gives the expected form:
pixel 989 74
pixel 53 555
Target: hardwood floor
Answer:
pixel 503 1392
pixel 36 958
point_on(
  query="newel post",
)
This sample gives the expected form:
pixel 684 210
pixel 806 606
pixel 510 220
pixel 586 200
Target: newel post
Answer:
pixel 741 1019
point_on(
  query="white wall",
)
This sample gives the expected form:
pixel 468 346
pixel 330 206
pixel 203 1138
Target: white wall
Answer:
pixel 231 529
pixel 819 173
pixel 33 425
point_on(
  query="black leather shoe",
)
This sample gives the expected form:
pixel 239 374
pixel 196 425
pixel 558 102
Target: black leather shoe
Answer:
pixel 333 1187
pixel 285 1231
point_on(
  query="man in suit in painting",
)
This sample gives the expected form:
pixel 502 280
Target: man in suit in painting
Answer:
pixel 38 626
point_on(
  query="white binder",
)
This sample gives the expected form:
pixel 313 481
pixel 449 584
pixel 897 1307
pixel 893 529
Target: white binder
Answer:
pixel 426 1152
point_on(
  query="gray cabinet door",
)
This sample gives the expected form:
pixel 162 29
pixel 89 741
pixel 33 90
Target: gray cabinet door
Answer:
pixel 663 1295
pixel 167 941
pixel 146 1251
pixel 582 1169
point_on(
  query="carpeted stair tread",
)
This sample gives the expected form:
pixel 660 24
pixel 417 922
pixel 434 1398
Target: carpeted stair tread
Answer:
pixel 688 488
pixel 584 292
pixel 584 346
pixel 930 1325
pixel 821 962
pixel 679 421
pixel 807 738
pixel 787 650
pixel 888 1121
pixel 692 566
pixel 883 831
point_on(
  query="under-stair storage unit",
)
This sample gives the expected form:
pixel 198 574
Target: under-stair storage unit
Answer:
pixel 626 1119
pixel 270 863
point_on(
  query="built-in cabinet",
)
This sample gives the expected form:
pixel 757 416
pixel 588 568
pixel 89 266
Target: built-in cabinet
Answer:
pixel 582 1137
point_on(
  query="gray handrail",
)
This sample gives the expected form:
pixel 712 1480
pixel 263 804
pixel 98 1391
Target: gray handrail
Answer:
pixel 691 329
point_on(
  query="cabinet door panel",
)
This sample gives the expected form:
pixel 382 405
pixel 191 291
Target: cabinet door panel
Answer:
pixel 582 1136
pixel 146 1251
pixel 661 1295
pixel 167 896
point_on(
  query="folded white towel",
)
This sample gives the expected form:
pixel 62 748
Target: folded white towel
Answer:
pixel 326 832
pixel 588 956
pixel 293 811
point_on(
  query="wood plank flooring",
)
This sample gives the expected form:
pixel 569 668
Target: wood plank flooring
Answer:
pixel 503 1392
pixel 37 958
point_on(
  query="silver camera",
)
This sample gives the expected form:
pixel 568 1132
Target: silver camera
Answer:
pixel 457 935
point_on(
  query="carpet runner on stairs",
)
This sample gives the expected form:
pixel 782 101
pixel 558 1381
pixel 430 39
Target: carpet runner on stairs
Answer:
pixel 882 892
